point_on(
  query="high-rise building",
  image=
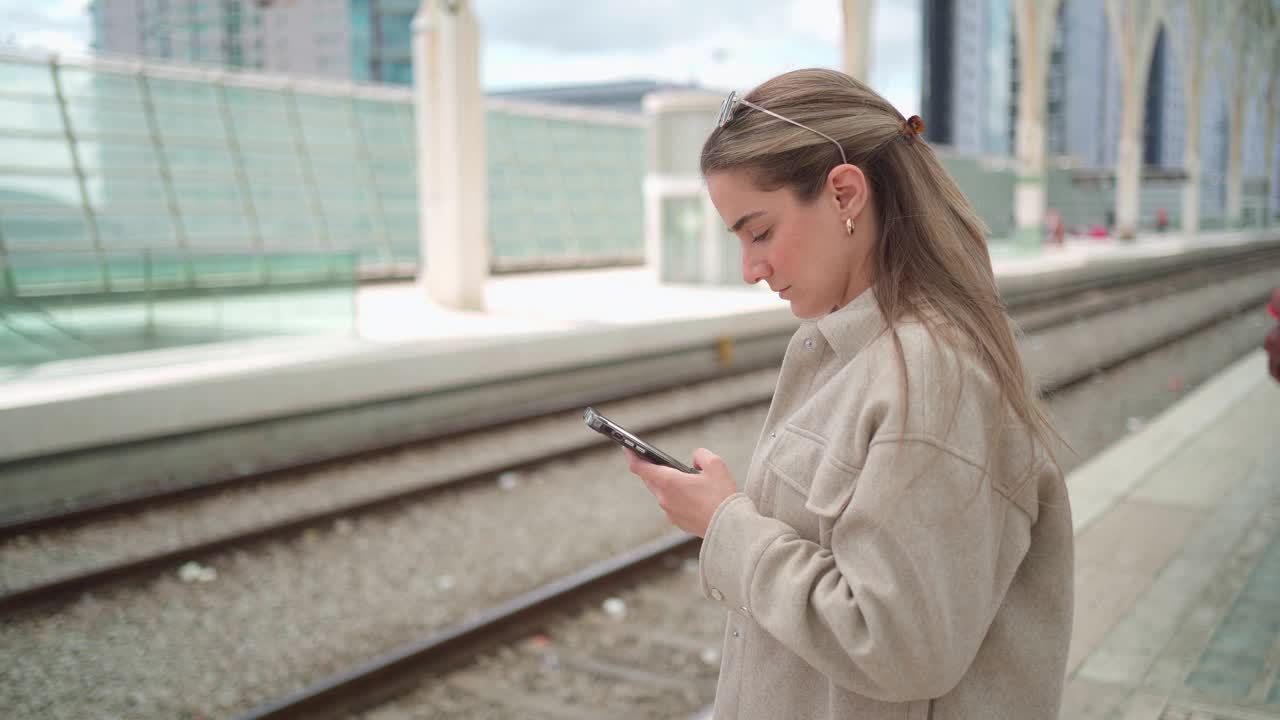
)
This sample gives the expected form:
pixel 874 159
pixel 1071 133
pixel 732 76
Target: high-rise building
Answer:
pixel 972 84
pixel 382 40
pixel 362 40
pixel 966 74
pixel 970 92
pixel 1090 101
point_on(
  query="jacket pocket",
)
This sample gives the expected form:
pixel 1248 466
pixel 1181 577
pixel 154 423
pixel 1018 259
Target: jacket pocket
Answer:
pixel 810 488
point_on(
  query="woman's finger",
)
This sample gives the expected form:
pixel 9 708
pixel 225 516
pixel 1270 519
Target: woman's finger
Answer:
pixel 704 458
pixel 646 471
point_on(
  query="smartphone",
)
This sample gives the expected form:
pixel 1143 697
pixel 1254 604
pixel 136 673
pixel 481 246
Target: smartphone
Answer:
pixel 612 430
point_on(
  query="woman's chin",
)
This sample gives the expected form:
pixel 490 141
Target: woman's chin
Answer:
pixel 805 313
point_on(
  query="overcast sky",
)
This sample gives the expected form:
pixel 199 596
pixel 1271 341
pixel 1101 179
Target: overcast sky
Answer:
pixel 731 44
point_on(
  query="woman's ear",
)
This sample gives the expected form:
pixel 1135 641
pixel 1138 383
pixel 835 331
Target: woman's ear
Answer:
pixel 848 188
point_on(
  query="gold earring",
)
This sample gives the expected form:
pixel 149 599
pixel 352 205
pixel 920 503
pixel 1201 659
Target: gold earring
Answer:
pixel 848 225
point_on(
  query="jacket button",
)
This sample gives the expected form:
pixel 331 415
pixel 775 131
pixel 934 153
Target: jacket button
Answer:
pixel 808 343
pixel 743 609
pixel 716 595
pixel 773 434
pixel 735 633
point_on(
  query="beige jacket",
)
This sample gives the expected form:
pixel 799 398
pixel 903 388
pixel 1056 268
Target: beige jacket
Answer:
pixel 872 571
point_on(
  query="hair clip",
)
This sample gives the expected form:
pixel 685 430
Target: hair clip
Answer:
pixel 913 127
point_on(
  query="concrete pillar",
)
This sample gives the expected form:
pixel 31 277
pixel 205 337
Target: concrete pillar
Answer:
pixel 1035 21
pixel 1249 40
pixel 1235 159
pixel 679 123
pixel 1269 139
pixel 1133 27
pixel 1271 73
pixel 1193 167
pixel 1189 48
pixel 858 17
pixel 452 181
pixel 1196 43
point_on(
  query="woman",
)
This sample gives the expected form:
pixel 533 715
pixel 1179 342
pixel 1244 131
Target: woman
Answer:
pixel 902 545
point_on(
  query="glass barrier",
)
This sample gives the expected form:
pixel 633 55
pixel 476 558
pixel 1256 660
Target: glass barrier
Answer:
pixel 58 306
pixel 103 155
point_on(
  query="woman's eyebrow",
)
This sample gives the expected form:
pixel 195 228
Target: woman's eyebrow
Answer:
pixel 745 219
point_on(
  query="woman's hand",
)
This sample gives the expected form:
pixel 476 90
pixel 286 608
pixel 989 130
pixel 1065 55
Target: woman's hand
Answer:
pixel 688 500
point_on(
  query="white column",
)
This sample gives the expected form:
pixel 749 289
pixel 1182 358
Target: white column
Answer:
pixel 452 183
pixel 1235 160
pixel 653 193
pixel 709 223
pixel 1035 21
pixel 857 19
pixel 1192 165
pixel 1133 28
pixel 679 123
pixel 1247 46
pixel 1189 49
pixel 1269 139
pixel 1269 59
pixel 1195 44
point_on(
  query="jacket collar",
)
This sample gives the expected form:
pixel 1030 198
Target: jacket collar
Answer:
pixel 850 328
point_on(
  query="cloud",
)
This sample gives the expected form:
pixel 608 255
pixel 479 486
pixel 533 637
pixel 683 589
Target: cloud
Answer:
pixel 815 20
pixel 717 43
pixel 63 25
pixel 608 28
pixel 55 40
pixel 716 59
pixel 722 44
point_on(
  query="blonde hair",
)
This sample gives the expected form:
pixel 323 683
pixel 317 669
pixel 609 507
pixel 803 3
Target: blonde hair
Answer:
pixel 930 261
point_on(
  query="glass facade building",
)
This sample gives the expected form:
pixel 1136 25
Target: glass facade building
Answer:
pixel 360 40
pixel 381 41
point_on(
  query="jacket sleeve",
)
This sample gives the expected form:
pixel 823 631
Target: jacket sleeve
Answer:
pixel 897 608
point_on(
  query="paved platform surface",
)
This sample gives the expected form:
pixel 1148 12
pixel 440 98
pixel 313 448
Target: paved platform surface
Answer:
pixel 1178 562
pixel 542 302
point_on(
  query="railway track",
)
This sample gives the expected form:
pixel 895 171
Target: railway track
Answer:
pixel 614 585
pixel 1071 317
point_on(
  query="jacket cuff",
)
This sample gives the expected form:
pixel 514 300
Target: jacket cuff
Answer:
pixel 736 538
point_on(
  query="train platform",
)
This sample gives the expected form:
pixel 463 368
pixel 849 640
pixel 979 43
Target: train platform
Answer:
pixel 72 429
pixel 396 321
pixel 1178 561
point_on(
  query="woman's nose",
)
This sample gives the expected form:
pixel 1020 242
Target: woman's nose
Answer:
pixel 753 271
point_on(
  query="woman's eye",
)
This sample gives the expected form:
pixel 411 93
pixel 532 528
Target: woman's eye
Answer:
pixel 762 236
